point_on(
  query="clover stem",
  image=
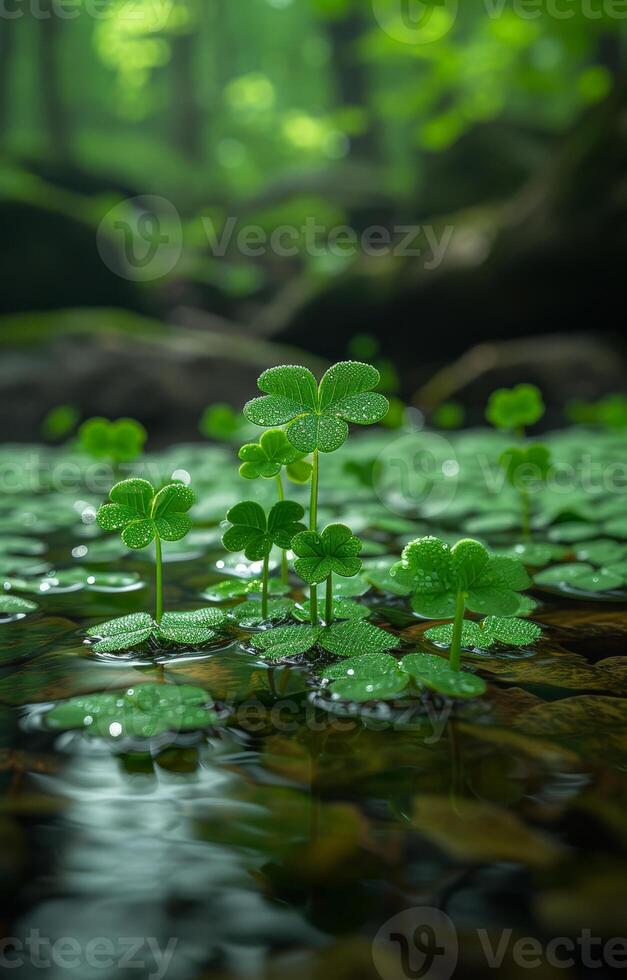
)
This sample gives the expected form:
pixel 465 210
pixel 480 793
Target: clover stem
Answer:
pixel 455 654
pixel 158 580
pixel 313 526
pixel 284 569
pixel 264 587
pixel 329 610
pixel 526 513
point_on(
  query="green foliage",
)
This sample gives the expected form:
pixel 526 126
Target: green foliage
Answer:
pixel 345 639
pixel 381 677
pixel 581 576
pixel 449 415
pixel 342 609
pixel 436 574
pixel 251 613
pixel 10 604
pixel 255 533
pixel 515 408
pixel 221 422
pixel 317 415
pixel 144 711
pixel 507 631
pixel 610 412
pixel 141 513
pixel 121 441
pixel 184 628
pixel 335 550
pixel 60 422
pixel 234 588
pixel 524 465
pixel 267 457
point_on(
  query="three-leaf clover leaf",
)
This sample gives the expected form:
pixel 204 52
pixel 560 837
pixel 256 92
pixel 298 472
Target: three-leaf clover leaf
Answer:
pixel 523 465
pixel 346 639
pixel 515 408
pixel 267 457
pixel 380 677
pixel 335 550
pixel 317 415
pixel 186 628
pixel 508 631
pixel 120 441
pixel 254 533
pixel 142 514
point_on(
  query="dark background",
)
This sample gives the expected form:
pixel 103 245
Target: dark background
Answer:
pixel 504 123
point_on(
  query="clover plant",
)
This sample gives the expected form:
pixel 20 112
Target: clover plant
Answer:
pixel 120 442
pixel 516 408
pixel 316 416
pixel 255 533
pixel 186 628
pixel 445 582
pixel 266 459
pixel 380 676
pixel 144 515
pixel 318 556
pixel 221 422
pixel 525 466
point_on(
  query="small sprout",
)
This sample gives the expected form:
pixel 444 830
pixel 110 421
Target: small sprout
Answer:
pixel 526 466
pixel 515 408
pixel 143 516
pixel 221 422
pixel 120 442
pixel 186 628
pixel 319 556
pixel 267 457
pixel 255 533
pixel 446 581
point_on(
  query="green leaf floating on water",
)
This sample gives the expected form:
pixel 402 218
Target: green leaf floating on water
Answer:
pixel 381 677
pixel 234 588
pixel 249 613
pixel 435 574
pixel 267 457
pixel 255 534
pixel 317 415
pixel 141 513
pixel 186 628
pixel 334 551
pixel 344 639
pixel 140 712
pixel 534 554
pixel 602 551
pixel 509 631
pixel 578 575
pixel 342 609
pixel 10 604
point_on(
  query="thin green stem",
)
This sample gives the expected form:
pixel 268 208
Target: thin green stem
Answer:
pixel 526 513
pixel 158 581
pixel 455 655
pixel 329 610
pixel 313 526
pixel 284 567
pixel 264 587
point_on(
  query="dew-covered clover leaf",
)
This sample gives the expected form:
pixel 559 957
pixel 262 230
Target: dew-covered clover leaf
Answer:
pixel 334 551
pixel 142 514
pixel 317 415
pixel 342 609
pixel 144 711
pixel 526 465
pixel 255 534
pixel 267 457
pixel 508 631
pixel 120 441
pixel 346 639
pixel 250 613
pixel 235 588
pixel 437 574
pixel 515 408
pixel 381 677
pixel 186 628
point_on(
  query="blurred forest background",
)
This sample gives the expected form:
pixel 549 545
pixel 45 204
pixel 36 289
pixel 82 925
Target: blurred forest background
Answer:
pixel 500 127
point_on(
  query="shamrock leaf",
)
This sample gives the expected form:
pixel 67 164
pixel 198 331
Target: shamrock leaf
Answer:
pixel 254 533
pixel 267 457
pixel 317 415
pixel 507 631
pixel 437 574
pixel 120 441
pixel 142 514
pixel 345 639
pixel 342 609
pixel 320 555
pixel 526 465
pixel 380 677
pixel 144 711
pixel 250 613
pixel 234 588
pixel 185 628
pixel 515 408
